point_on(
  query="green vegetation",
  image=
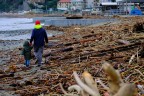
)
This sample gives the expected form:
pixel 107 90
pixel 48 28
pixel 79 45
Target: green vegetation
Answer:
pixel 52 3
pixel 15 5
pixel 8 5
pixel 113 0
pixel 47 5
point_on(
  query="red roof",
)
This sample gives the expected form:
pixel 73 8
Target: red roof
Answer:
pixel 63 1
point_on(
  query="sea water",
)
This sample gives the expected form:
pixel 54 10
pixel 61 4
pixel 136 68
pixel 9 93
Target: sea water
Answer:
pixel 8 24
pixel 18 28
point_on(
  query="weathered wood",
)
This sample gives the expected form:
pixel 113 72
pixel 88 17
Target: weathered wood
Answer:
pixel 123 42
pixel 59 50
pixel 6 75
pixel 88 36
pixel 67 49
pixel 115 49
pixel 103 52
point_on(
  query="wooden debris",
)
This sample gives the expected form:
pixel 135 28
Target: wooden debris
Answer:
pixel 82 49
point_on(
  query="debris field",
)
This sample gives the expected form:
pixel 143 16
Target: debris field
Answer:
pixel 79 48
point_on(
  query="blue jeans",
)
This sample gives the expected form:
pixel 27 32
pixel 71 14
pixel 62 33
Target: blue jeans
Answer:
pixel 27 63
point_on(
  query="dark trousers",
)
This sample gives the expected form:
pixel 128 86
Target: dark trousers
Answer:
pixel 38 51
pixel 27 63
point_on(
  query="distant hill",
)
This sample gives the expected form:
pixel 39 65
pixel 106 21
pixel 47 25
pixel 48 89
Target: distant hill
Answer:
pixel 7 5
pixel 18 5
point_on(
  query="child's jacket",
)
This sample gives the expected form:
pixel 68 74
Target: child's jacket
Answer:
pixel 26 50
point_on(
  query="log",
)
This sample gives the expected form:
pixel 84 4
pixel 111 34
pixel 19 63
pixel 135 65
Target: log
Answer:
pixel 67 49
pixel 88 36
pixel 123 42
pixel 112 50
pixel 6 75
pixel 59 50
pixel 104 52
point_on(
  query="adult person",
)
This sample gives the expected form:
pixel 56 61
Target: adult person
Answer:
pixel 39 36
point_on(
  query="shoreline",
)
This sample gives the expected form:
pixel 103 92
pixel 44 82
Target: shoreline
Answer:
pixel 77 49
pixel 17 37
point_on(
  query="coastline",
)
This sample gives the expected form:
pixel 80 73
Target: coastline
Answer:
pixel 77 49
pixel 15 38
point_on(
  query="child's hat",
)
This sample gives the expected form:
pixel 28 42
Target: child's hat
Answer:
pixel 37 22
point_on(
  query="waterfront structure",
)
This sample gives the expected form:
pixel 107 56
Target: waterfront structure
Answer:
pixel 133 1
pixel 129 4
pixel 63 4
pixel 77 4
pixel 105 1
pixel 70 5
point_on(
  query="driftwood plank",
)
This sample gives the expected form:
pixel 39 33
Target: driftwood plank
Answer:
pixel 104 52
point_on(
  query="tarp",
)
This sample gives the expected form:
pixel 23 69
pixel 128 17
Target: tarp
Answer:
pixel 136 12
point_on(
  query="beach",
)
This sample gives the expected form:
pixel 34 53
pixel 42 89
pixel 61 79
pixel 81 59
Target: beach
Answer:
pixel 14 31
pixel 77 49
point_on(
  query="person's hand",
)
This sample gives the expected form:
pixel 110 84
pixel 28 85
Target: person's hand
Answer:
pixel 46 44
pixel 30 44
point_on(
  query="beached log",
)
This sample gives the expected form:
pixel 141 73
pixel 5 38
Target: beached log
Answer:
pixel 71 43
pixel 91 35
pixel 67 49
pixel 5 93
pixel 6 75
pixel 123 42
pixel 116 49
pixel 104 52
pixel 59 50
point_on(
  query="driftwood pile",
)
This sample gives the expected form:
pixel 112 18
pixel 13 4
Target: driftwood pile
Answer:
pixel 78 50
pixel 88 86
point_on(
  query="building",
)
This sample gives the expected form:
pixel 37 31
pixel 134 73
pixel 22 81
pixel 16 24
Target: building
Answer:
pixel 133 1
pixel 108 5
pixel 129 4
pixel 77 4
pixel 64 5
pixel 105 1
pixel 89 3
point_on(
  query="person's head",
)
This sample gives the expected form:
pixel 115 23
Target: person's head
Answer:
pixel 26 43
pixel 38 24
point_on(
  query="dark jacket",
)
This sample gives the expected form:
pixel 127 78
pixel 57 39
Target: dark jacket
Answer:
pixel 39 35
pixel 26 50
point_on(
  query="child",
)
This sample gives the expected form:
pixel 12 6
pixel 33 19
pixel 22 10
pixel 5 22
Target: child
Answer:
pixel 27 52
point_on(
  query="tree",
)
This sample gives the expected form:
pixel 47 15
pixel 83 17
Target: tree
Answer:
pixel 51 4
pixel 8 5
pixel 113 0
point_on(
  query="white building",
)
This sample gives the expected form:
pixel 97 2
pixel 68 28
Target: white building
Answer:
pixel 118 0
pixel 89 3
pixel 63 4
pixel 77 4
pixel 105 0
pixel 110 0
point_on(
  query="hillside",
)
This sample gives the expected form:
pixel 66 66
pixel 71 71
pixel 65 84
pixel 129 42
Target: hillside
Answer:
pixel 7 5
pixel 18 5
